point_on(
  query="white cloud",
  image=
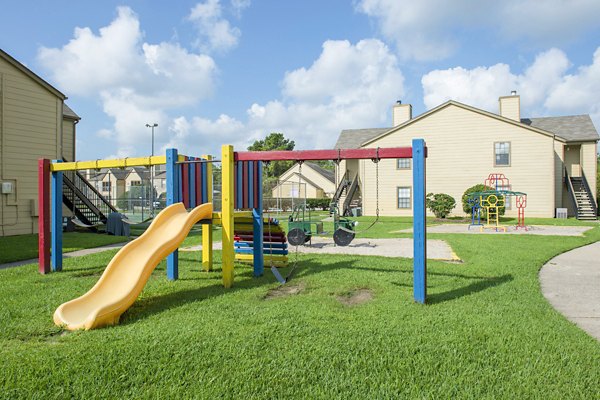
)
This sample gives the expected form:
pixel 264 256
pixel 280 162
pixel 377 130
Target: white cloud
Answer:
pixel 90 62
pixel 429 29
pixel 136 82
pixel 216 33
pixel 239 6
pixel 348 86
pixel 545 87
pixel 579 91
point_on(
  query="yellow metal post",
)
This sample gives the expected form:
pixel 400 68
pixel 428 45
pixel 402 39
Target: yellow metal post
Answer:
pixel 227 221
pixel 207 229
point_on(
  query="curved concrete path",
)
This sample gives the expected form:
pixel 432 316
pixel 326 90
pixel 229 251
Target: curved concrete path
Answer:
pixel 571 283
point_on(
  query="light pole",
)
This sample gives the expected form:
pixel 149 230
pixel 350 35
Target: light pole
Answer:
pixel 152 126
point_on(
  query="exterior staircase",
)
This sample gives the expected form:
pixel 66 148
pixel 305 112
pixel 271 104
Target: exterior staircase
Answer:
pixel 82 198
pixel 352 188
pixel 344 183
pixel 583 198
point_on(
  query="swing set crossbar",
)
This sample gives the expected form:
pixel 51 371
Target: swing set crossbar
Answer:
pixel 313 155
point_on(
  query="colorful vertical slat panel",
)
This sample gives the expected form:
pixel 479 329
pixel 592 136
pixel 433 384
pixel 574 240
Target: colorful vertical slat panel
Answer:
pixel 205 179
pixel 185 184
pixel 245 185
pixel 200 184
pixel 250 184
pixel 193 183
pixel 239 185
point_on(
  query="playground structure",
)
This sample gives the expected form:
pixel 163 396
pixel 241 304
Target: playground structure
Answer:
pixel 492 201
pixel 188 184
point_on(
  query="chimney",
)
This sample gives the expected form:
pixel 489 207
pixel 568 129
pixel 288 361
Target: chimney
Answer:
pixel 401 113
pixel 510 106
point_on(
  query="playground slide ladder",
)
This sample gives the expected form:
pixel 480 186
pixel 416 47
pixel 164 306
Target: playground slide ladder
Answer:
pixel 82 198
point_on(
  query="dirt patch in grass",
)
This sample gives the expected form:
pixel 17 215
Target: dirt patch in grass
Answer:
pixel 284 291
pixel 356 297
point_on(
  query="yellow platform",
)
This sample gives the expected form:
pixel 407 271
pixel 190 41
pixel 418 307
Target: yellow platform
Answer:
pixel 127 273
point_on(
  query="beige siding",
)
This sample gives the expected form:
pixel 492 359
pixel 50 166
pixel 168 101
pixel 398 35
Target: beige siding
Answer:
pixel 30 128
pixel 559 166
pixel 317 186
pixel 589 164
pixel 289 188
pixel 461 154
pixel 68 140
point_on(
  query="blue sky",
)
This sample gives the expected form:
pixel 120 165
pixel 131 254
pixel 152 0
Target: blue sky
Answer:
pixel 231 71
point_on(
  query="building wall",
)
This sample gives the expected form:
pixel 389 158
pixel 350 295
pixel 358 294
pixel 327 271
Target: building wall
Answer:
pixel 589 164
pixel 461 154
pixel 289 188
pixel 317 185
pixel 30 128
pixel 68 139
pixel 558 172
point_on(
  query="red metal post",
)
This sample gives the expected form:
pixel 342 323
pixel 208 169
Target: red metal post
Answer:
pixel 307 155
pixel 44 216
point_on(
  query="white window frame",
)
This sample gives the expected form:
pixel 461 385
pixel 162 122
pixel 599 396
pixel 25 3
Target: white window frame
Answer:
pixel 496 154
pixel 409 197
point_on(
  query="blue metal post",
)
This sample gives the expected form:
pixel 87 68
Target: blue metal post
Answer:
pixel 419 227
pixel 257 219
pixel 56 257
pixel 173 193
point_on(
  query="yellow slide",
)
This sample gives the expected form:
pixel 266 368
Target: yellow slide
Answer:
pixel 127 273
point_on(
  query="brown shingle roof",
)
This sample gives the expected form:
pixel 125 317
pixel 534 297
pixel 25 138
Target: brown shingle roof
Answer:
pixel 570 128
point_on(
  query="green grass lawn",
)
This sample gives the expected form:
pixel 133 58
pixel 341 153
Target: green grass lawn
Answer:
pixel 487 331
pixel 25 247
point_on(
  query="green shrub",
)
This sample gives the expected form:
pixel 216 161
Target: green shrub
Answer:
pixel 323 204
pixel 440 204
pixel 473 189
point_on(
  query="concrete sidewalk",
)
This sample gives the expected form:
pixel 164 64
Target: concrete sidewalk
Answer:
pixel 571 283
pixel 67 255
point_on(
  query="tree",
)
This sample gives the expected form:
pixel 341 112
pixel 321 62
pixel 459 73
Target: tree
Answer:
pixel 440 204
pixel 475 189
pixel 272 171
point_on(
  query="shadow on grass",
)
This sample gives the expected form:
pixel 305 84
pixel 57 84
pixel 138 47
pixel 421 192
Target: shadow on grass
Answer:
pixel 480 285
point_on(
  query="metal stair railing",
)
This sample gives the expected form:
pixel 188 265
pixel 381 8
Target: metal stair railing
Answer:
pixel 344 182
pixel 589 193
pixel 85 201
pixel 571 192
pixel 350 195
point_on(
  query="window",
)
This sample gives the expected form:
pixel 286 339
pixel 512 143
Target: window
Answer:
pixel 403 163
pixel 404 197
pixel 136 183
pixel 106 186
pixel 502 154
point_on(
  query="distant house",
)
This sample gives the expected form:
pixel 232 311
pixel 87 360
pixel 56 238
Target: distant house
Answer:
pixel 314 182
pixel 110 182
pixel 552 159
pixel 35 123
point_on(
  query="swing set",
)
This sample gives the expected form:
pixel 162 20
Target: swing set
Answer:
pixel 242 189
